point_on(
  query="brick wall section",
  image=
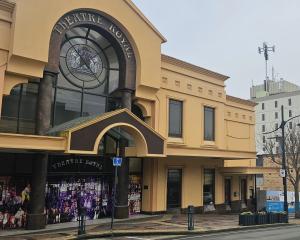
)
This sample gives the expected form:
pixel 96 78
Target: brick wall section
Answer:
pixel 273 181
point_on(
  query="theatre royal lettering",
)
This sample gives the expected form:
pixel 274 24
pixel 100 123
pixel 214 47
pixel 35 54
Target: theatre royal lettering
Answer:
pixel 73 19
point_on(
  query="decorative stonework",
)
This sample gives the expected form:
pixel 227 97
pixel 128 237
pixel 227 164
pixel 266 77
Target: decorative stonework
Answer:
pixel 210 92
pixel 189 86
pixel 200 89
pixel 86 17
pixel 7 6
pixel 165 80
pixel 177 83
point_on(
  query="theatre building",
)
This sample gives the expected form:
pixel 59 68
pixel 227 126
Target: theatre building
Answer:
pixel 83 81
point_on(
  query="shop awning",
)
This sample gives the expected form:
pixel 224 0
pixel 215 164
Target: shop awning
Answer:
pixel 246 170
pixel 84 134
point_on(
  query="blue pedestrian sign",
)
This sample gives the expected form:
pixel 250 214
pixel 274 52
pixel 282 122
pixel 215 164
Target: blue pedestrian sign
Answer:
pixel 117 161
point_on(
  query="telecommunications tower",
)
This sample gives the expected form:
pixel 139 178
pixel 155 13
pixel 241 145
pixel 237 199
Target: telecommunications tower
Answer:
pixel 265 49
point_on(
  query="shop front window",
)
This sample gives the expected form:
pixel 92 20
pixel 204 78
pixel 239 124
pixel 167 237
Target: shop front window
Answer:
pixel 72 179
pixel 209 187
pixel 135 186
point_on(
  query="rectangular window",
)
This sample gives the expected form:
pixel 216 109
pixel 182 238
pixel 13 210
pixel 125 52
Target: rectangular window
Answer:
pixel 263 106
pixel 290 125
pixel 276 115
pixel 175 118
pixel 263 117
pixel 276 104
pixel 290 102
pixel 276 125
pixel 264 139
pixel 263 128
pixel 290 113
pixel 209 124
pixel 209 186
pixel 259 161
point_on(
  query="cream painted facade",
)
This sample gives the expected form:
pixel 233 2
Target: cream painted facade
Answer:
pixel 25 30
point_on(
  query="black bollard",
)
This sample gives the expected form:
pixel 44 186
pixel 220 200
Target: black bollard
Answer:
pixel 191 211
pixel 81 221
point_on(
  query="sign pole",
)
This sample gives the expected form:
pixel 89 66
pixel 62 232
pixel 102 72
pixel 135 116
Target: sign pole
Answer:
pixel 117 162
pixel 114 198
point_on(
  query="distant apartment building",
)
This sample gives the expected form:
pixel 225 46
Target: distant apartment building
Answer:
pixel 268 118
pixel 272 88
pixel 268 108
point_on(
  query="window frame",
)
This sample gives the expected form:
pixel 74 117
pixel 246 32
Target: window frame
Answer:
pixel 175 135
pixel 214 124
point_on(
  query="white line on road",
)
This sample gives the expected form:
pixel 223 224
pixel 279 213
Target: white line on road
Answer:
pixel 138 238
pixel 231 232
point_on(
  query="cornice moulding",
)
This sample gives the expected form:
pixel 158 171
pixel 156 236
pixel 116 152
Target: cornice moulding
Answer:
pixel 7 6
pixel 189 66
pixel 241 101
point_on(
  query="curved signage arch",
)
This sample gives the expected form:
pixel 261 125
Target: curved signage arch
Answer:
pixel 115 33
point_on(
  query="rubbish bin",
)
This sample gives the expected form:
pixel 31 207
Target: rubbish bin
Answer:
pixel 191 211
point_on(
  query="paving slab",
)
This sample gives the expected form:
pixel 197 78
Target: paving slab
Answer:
pixel 167 224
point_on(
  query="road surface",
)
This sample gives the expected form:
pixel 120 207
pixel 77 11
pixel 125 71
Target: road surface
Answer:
pixel 276 233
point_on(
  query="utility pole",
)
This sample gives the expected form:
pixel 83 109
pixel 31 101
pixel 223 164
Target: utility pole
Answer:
pixel 265 49
pixel 283 164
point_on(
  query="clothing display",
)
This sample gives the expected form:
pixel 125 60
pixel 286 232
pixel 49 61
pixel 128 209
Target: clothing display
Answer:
pixel 14 203
pixel 134 194
pixel 63 198
pixel 73 185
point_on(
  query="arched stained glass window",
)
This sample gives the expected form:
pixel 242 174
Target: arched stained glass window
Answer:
pixel 88 74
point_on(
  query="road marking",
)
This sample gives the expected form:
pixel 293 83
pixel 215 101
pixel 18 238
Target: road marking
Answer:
pixel 241 230
pixel 138 238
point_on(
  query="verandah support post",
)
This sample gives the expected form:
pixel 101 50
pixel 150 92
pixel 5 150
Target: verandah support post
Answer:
pixel 123 171
pixel 36 218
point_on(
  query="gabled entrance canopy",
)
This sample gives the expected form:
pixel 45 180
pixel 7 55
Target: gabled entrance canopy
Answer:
pixel 84 134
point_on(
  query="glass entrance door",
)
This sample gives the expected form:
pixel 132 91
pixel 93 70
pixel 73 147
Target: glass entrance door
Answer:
pixel 174 188
pixel 227 191
pixel 244 190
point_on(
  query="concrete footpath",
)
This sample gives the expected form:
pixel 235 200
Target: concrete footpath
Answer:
pixel 138 225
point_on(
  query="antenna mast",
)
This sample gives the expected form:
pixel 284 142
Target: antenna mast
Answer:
pixel 265 50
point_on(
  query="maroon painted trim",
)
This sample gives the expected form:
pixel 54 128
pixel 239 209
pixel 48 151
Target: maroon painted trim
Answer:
pixel 84 139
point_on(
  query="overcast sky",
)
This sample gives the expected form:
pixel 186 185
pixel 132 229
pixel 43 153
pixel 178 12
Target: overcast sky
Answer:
pixel 223 36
